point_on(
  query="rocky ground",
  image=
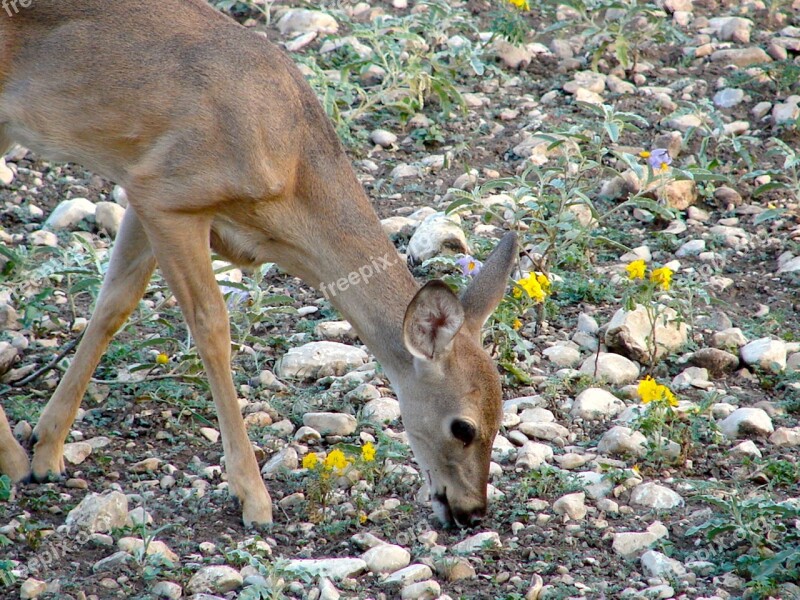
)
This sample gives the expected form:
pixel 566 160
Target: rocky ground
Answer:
pixel 623 132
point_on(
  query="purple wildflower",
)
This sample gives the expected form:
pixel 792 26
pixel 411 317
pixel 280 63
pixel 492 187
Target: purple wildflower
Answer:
pixel 659 159
pixel 469 265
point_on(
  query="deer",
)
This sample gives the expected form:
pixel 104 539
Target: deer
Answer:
pixel 221 145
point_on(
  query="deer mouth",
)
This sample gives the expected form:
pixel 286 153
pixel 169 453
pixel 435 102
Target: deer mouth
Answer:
pixel 450 516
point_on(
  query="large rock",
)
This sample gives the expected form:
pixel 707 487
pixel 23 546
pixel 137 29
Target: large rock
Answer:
pixel 100 513
pixel 613 368
pixel 766 353
pixel 69 213
pixel 746 421
pixel 631 333
pixel 320 359
pixel 438 234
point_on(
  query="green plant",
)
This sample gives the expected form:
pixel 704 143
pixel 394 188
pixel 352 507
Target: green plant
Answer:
pixel 6 488
pixel 619 28
pixel 757 537
pixel 322 475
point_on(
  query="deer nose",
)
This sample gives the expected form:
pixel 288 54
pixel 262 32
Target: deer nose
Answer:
pixel 468 518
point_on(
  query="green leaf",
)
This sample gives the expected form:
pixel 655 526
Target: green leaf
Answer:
pixel 769 215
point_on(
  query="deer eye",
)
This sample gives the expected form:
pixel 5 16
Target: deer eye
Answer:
pixel 463 431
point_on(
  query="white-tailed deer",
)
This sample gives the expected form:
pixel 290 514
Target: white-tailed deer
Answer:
pixel 221 144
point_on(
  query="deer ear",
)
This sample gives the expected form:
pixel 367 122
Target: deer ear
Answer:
pixel 487 289
pixel 432 320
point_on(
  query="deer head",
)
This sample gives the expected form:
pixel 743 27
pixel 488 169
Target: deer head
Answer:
pixel 452 401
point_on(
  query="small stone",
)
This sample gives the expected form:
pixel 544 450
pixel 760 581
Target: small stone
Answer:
pixel 100 513
pixel 328 591
pixel 321 359
pixel 211 434
pixel 167 589
pixel 32 588
pixel 285 459
pixel 741 57
pixel 437 235
pixel 386 558
pixel 655 496
pixel 455 568
pixel 300 20
pixel 383 138
pixel 786 437
pixel 408 575
pixel 622 441
pixel 113 563
pixel 382 410
pixel 746 421
pixel 335 569
pixel 730 338
pixel 612 368
pixel 77 452
pixel 718 362
pixel 533 454
pixel 632 544
pixel 480 542
pixel 767 353
pixel 680 194
pixel 215 579
pixel 596 404
pixel 43 238
pixel 148 465
pixel 656 564
pixel 562 355
pixel 327 423
pixel 691 248
pixel 571 505
pixel 69 213
pixel 422 590
pixel 108 216
pixel 696 377
pixel 747 448
pixel 728 97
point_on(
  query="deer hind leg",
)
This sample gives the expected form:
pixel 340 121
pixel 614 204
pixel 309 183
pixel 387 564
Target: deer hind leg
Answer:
pixel 181 245
pixel 13 459
pixel 129 271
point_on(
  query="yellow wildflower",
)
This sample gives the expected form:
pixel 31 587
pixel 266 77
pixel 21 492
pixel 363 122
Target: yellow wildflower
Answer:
pixel 544 282
pixel 368 452
pixel 335 460
pixel 652 391
pixel 532 284
pixel 520 4
pixel 516 325
pixel 162 359
pixel 644 154
pixel 662 276
pixel 636 269
pixel 310 460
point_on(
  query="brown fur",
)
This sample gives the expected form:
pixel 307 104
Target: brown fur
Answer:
pixel 220 142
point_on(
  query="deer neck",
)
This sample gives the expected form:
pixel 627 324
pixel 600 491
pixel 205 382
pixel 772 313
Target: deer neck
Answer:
pixel 342 251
